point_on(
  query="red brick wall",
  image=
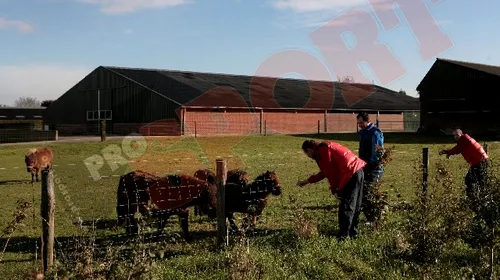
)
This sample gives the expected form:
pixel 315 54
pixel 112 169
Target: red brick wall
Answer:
pixel 220 123
pixel 242 123
pixel 391 122
pixel 72 129
pixel 341 122
pixel 279 122
pixel 293 123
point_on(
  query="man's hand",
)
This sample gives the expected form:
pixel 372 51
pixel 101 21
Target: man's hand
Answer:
pixel 443 152
pixel 302 183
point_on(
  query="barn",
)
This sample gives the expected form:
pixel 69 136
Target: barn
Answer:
pixel 166 102
pixel 21 118
pixel 459 93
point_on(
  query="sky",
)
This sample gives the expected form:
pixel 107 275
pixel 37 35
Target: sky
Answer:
pixel 50 45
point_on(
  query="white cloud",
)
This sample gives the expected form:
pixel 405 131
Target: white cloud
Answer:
pixel 39 81
pixel 313 13
pixel 303 6
pixel 115 7
pixel 16 24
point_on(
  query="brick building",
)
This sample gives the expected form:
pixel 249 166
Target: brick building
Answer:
pixel 163 102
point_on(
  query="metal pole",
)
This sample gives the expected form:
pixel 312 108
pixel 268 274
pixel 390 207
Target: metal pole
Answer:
pixel 98 110
pixel 425 173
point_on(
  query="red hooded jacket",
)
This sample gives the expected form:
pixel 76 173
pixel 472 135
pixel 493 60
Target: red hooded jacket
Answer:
pixel 336 163
pixel 470 149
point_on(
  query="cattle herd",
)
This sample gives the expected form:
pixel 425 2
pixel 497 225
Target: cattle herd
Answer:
pixel 139 192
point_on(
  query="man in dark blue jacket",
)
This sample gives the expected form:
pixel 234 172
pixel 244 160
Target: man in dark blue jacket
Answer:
pixel 370 150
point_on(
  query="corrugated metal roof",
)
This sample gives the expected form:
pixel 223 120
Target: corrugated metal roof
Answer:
pixel 214 89
pixel 491 69
pixel 15 113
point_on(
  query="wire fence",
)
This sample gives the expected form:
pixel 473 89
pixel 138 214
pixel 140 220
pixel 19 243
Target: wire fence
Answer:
pixel 222 123
pixel 210 128
pixel 142 203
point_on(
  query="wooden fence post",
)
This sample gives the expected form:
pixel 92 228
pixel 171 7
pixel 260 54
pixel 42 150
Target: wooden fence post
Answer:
pixel 47 211
pixel 485 147
pixel 265 127
pixel 425 172
pixel 319 127
pixel 103 130
pixel 261 119
pixel 326 122
pixel 221 169
pixel 195 131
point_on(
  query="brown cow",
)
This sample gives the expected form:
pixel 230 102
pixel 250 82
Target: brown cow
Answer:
pixel 208 209
pixel 36 160
pixel 250 199
pixel 235 176
pixel 168 195
pixel 132 196
pixel 242 197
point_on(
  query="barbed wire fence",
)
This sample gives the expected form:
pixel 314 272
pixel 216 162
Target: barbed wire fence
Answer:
pixel 171 195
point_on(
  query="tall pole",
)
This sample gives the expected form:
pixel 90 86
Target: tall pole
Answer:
pixel 99 102
pixel 98 110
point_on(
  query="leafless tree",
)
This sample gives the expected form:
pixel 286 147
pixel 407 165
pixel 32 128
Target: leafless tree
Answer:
pixel 27 102
pixel 347 79
pixel 47 103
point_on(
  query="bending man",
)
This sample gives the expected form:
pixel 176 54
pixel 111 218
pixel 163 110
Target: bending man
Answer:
pixel 344 171
pixel 477 159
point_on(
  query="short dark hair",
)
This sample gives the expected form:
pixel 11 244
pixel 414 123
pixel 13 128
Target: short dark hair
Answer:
pixel 364 116
pixel 309 144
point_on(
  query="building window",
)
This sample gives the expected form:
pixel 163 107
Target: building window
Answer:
pixel 20 117
pixel 471 75
pixel 99 115
pixel 37 117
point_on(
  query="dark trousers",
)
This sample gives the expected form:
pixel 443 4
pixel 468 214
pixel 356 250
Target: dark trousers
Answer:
pixel 475 181
pixel 372 177
pixel 350 196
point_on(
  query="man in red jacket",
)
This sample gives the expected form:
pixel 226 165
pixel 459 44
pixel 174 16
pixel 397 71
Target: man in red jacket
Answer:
pixel 475 156
pixel 344 171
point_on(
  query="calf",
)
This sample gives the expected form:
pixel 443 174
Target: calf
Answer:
pixel 36 160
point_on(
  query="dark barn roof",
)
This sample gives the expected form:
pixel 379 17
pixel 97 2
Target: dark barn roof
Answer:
pixel 490 69
pixel 15 113
pixel 223 90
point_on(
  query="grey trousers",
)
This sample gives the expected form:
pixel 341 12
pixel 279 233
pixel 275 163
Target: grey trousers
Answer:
pixel 351 197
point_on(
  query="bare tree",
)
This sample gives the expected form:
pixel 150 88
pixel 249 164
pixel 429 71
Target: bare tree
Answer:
pixel 27 102
pixel 47 103
pixel 347 79
pixel 402 91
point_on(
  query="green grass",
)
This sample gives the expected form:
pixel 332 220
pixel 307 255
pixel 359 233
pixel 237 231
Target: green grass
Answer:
pixel 274 253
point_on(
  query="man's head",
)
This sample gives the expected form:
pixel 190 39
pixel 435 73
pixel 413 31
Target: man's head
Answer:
pixel 457 133
pixel 308 147
pixel 363 120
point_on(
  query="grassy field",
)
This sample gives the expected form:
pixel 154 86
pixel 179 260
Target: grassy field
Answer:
pixel 282 248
